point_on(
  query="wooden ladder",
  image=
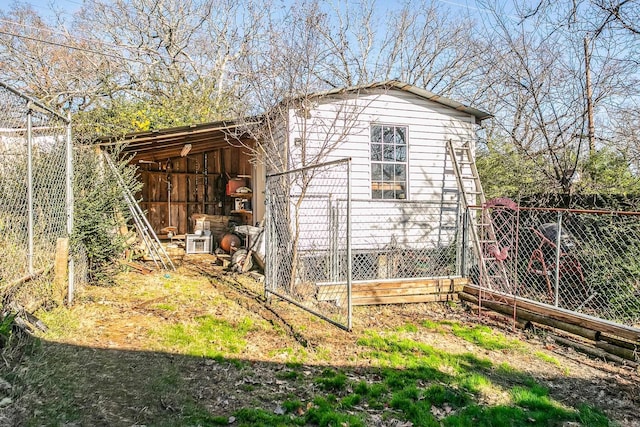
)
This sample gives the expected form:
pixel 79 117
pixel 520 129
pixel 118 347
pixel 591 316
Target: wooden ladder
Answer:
pixel 493 274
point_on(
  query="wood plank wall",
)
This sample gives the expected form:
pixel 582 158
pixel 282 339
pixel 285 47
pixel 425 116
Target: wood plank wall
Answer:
pixel 197 182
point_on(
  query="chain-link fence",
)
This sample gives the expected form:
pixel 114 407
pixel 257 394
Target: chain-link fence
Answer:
pixel 35 190
pixel 405 240
pixel 307 230
pixel 319 240
pixel 585 261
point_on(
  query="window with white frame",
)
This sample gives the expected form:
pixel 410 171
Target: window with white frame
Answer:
pixel 388 162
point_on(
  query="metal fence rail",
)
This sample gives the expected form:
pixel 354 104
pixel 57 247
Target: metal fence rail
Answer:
pixel 308 239
pixel 585 261
pixel 35 187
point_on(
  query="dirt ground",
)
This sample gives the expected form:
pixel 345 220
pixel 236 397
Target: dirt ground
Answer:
pixel 113 327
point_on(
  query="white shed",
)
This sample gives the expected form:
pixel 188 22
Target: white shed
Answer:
pixel 404 198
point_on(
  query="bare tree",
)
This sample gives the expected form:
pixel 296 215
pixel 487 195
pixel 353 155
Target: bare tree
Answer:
pixel 418 43
pixel 50 63
pixel 177 56
pixel 537 66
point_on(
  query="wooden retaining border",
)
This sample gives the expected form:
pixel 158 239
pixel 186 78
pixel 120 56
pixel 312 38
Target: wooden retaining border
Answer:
pixel 619 343
pixel 393 292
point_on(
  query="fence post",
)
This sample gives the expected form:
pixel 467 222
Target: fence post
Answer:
pixel 464 270
pixel 69 203
pixel 557 269
pixel 349 260
pixel 30 188
pixel 269 241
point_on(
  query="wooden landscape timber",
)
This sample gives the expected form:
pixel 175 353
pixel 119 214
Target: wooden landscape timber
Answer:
pixel 620 343
pixel 139 267
pixel 595 352
pixel 393 292
pixel 9 290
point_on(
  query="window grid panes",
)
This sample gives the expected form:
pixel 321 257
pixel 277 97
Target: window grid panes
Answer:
pixel 388 162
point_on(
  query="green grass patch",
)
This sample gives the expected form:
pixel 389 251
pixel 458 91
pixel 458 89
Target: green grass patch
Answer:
pixel 195 415
pixel 475 383
pixel 260 418
pixel 351 400
pixel 407 327
pixel 530 406
pixel 165 383
pixel 165 307
pixel 431 325
pixel 207 336
pixel 553 361
pixel 288 375
pixel 291 356
pixel 373 394
pixel 61 322
pixel 485 337
pixel 332 380
pixel 415 378
pixel 592 417
pixel 324 414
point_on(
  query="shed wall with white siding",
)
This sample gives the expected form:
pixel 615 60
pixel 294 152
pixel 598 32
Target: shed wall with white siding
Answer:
pixel 339 126
pixel 342 125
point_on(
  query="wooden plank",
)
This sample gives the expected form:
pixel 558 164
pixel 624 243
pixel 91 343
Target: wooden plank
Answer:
pixel 595 352
pixel 61 271
pixel 405 299
pixel 575 318
pixel 330 293
pixel 407 284
pixel 428 288
pixel 399 292
pixel 396 289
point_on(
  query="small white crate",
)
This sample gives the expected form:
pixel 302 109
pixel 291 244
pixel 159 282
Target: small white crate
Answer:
pixel 199 244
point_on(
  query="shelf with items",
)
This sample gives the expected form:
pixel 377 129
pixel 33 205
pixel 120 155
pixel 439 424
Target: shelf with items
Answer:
pixel 241 195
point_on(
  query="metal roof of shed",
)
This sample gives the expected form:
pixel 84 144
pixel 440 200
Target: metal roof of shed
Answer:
pixel 422 93
pixel 161 144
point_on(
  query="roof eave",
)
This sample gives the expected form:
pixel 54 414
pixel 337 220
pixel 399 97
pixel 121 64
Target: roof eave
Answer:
pixel 423 93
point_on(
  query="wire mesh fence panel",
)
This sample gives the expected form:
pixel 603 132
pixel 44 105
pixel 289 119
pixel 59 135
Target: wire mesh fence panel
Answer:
pixel 405 240
pixel 497 235
pixel 319 241
pixel 584 261
pixel 33 186
pixel 307 260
